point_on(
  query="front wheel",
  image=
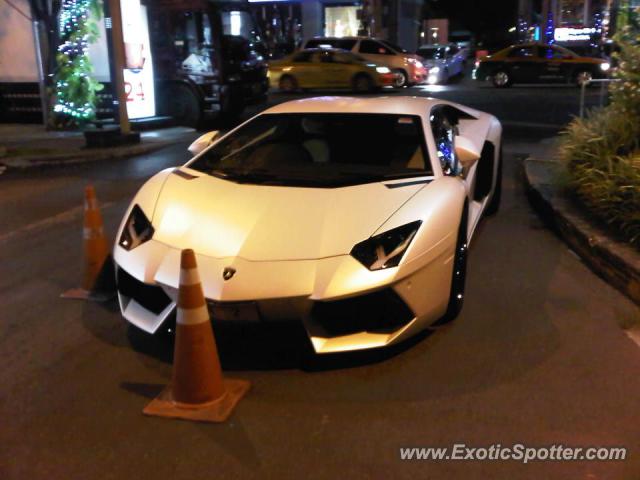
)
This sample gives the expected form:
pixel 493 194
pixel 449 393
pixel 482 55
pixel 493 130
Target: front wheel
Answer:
pixel 288 84
pixel 501 79
pixel 362 83
pixel 184 106
pixel 402 80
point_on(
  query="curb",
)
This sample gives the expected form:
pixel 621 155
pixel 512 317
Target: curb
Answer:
pixel 614 261
pixel 84 156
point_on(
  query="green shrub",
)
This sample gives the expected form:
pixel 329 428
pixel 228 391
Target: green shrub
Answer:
pixel 602 156
pixel 602 151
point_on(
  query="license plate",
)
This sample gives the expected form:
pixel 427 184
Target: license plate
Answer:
pixel 234 312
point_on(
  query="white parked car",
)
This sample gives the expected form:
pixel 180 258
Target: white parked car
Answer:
pixel 352 216
pixel 443 62
pixel 408 67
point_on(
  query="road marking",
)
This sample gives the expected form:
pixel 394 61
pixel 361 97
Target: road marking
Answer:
pixel 63 217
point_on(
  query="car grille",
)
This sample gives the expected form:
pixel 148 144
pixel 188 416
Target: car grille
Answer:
pixel 379 312
pixel 150 297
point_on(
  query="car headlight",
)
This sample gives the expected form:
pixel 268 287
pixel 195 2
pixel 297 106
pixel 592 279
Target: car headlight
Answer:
pixel 382 70
pixel 137 229
pixel 605 66
pixel 386 249
pixel 419 64
pixel 434 70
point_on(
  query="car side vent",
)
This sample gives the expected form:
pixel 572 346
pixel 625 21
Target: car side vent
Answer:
pixel 484 179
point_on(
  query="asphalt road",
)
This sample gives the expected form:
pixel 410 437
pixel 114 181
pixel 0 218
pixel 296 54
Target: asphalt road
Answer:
pixel 536 357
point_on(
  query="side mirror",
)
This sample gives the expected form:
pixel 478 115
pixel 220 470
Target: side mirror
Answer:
pixel 466 152
pixel 202 142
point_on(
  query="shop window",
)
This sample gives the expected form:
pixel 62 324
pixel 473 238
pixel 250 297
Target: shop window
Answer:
pixel 341 21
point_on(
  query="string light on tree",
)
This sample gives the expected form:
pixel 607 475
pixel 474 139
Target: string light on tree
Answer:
pixel 74 86
pixel 598 29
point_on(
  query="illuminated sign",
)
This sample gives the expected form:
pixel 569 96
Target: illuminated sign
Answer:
pixel 138 71
pixel 565 34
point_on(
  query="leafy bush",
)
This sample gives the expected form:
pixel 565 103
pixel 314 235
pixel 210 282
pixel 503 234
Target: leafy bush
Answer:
pixel 602 151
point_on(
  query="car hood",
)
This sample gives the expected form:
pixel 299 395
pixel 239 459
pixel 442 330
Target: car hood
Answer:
pixel 220 218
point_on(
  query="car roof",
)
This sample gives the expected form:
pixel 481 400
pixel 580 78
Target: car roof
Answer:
pixel 320 49
pixel 392 105
pixel 322 37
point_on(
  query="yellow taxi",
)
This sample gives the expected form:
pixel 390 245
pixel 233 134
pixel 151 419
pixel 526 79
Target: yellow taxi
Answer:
pixel 538 63
pixel 326 68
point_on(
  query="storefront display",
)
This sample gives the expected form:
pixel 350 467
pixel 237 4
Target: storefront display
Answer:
pixel 341 21
pixel 138 71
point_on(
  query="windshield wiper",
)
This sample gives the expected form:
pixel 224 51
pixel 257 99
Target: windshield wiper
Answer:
pixel 393 176
pixel 385 176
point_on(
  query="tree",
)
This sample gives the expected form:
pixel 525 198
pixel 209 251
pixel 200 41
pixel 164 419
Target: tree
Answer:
pixel 75 88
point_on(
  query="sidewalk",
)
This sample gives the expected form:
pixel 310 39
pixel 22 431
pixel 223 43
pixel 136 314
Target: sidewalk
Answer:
pixel 615 261
pixel 29 146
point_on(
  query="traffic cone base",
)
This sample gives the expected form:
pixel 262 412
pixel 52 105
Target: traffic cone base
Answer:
pixel 214 412
pixel 96 252
pixel 76 294
pixel 198 391
pixel 82 294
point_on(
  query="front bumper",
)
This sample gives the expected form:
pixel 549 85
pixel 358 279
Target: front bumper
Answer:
pixel 387 79
pixel 419 76
pixel 352 309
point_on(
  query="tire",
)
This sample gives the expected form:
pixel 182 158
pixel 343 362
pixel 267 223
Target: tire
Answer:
pixel 501 79
pixel 362 83
pixel 184 106
pixel 233 103
pixel 494 205
pixel 458 274
pixel 288 84
pixel 402 79
pixel 582 76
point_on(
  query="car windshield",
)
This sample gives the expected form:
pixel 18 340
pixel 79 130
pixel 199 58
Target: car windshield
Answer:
pixel 319 150
pixel 432 53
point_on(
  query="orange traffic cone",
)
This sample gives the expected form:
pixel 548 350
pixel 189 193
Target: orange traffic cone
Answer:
pixel 197 390
pixel 96 249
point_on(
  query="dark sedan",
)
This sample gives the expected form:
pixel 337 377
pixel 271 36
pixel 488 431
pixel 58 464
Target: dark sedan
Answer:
pixel 538 63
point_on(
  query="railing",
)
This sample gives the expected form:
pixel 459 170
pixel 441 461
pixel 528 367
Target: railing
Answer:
pixel 603 91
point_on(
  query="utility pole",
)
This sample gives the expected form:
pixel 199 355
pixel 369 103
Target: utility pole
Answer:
pixel 113 22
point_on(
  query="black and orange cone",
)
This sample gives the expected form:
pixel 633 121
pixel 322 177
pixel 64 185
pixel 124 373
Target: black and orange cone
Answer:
pixel 96 248
pixel 198 390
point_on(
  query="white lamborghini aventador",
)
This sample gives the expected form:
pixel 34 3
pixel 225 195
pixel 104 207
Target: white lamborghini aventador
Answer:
pixel 350 215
